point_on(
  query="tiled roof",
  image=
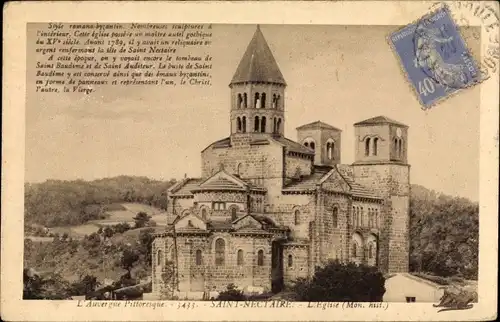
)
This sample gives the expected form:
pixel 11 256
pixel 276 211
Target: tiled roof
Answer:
pixel 317 125
pixel 379 120
pixel 219 225
pixel 258 63
pixel 293 146
pixel 357 189
pixel 222 143
pixel 252 230
pixel 308 182
pixel 221 184
pixel 190 230
pixel 187 187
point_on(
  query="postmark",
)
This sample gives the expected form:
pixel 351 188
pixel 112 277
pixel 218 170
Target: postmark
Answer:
pixel 435 57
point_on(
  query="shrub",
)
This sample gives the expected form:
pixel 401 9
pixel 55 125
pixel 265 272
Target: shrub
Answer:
pixel 231 294
pixel 336 282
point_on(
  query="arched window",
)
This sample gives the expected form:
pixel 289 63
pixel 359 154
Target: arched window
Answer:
pixel 362 216
pixel 335 213
pixel 274 101
pixel 306 144
pixel 245 100
pixel 375 146
pixel 263 124
pixel 278 98
pixel 263 100
pixel 370 251
pixel 239 258
pixel 238 121
pixel 256 124
pixel 312 145
pixel 198 257
pixel 260 258
pixel 400 148
pixel 257 100
pixel 330 146
pixel 159 258
pixel 220 246
pixel 354 250
pixel 204 214
pixel 296 218
pixel 240 100
pixel 290 260
pixel 396 152
pixel 244 123
pixel 234 216
pixel 367 147
pixel 274 125
pixel 278 126
pixel 377 219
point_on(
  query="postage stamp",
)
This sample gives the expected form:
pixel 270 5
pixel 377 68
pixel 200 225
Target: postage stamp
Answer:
pixel 435 57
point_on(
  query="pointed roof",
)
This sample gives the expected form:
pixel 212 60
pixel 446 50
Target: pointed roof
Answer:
pixel 380 120
pixel 317 125
pixel 258 63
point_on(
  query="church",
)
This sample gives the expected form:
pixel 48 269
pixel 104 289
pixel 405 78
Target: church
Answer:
pixel 268 210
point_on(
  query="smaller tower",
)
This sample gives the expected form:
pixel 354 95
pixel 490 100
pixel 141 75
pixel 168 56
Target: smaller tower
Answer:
pixel 381 164
pixel 324 139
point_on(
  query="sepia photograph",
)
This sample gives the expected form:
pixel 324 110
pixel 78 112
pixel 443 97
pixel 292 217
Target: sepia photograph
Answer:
pixel 194 165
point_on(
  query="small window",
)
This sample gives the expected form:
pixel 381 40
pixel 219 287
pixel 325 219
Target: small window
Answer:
pixel 239 127
pixel 290 261
pixel 159 258
pixel 410 299
pixel 198 257
pixel 375 146
pixel 296 217
pixel 263 124
pixel 234 215
pixel 256 124
pixel 313 146
pixel 244 124
pixel 354 250
pixel 219 206
pixel 239 259
pixel 220 246
pixel 306 144
pixel 335 217
pixel 245 100
pixel 204 214
pixel 367 147
pixel 260 258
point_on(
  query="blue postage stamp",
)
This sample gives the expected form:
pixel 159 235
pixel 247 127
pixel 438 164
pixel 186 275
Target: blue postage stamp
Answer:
pixel 435 57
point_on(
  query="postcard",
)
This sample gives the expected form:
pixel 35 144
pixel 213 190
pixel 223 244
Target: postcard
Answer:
pixel 241 161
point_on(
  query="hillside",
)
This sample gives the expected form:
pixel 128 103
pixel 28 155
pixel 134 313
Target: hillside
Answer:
pixel 444 234
pixel 62 203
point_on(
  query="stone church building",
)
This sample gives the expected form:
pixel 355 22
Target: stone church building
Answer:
pixel 268 209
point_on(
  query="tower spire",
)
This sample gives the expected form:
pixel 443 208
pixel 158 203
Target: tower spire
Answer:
pixel 258 64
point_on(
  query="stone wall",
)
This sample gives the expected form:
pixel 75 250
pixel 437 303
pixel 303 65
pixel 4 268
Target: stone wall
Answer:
pixel 299 262
pixel 206 275
pixel 392 181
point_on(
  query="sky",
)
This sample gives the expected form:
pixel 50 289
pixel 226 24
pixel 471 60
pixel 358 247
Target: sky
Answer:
pixel 337 74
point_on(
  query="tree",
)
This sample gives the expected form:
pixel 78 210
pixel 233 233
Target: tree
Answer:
pixel 85 285
pixel 146 241
pixel 141 219
pixel 337 282
pixel 128 259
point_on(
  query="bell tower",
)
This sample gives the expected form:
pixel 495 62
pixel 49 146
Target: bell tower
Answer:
pixel 257 92
pixel 381 163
